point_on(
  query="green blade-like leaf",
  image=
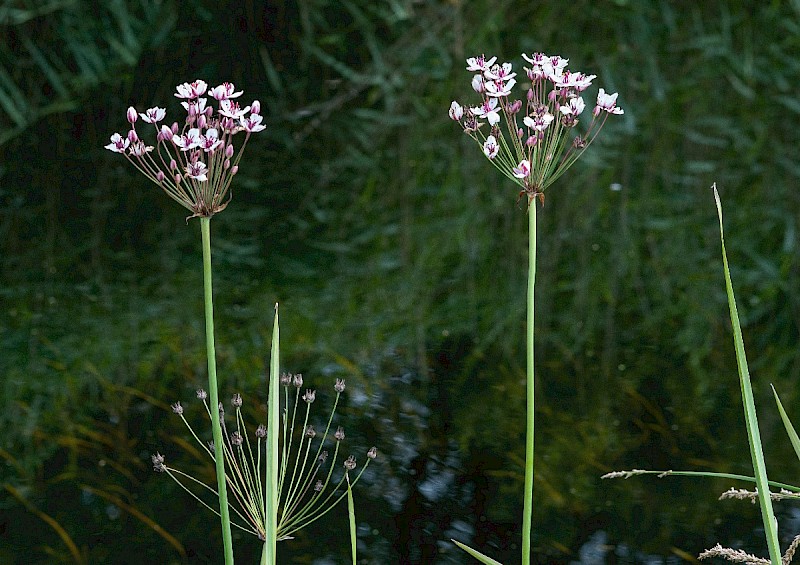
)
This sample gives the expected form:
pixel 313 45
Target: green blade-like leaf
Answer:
pixel 476 554
pixel 273 418
pixel 790 431
pixel 753 435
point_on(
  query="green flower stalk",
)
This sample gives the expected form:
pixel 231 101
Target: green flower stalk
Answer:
pixel 195 164
pixel 532 142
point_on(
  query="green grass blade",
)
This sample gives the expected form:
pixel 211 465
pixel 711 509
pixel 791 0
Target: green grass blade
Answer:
pixel 787 423
pixel 756 451
pixel 351 512
pixel 477 554
pixel 273 417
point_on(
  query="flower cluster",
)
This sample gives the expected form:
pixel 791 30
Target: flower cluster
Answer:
pixel 535 146
pixel 195 162
pixel 306 491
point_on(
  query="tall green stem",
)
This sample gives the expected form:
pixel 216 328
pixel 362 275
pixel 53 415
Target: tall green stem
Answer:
pixel 216 429
pixel 527 510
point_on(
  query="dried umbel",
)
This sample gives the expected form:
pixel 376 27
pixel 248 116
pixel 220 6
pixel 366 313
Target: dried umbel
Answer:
pixel 306 489
pixel 531 141
pixel 194 162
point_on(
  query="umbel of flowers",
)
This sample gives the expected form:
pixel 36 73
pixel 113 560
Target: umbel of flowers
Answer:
pixel 307 487
pixel 532 141
pixel 194 162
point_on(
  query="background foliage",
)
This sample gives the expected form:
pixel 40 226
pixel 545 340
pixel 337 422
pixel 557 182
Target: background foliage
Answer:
pixel 397 256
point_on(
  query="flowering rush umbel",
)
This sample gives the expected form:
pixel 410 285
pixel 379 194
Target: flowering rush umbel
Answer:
pixel 194 162
pixel 531 141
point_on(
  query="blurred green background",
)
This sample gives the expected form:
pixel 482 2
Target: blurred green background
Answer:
pixel 398 256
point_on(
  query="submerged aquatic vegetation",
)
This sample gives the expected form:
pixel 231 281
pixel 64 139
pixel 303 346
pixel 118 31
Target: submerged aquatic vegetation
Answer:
pixel 533 154
pixel 308 486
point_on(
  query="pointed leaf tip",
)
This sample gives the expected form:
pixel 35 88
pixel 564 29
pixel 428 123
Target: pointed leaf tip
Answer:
pixel 717 200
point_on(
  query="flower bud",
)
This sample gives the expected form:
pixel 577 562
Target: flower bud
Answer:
pixel 160 176
pixel 227 164
pixel 229 150
pixel 174 128
pixel 132 136
pixel 172 166
pixel 255 107
pixel 132 115
pixel 234 170
pixel 530 95
pixel 201 121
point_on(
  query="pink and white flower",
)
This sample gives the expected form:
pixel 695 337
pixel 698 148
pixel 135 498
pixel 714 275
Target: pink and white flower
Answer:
pixel 210 141
pixel 480 63
pixel 191 90
pixel 224 91
pixel 573 107
pixel 522 170
pixel 498 72
pixel 456 111
pixel 607 102
pixel 153 115
pixel 538 122
pixel 195 107
pixel 487 110
pixel 188 140
pixel 536 58
pixel 231 109
pixel 139 148
pixel 197 170
pixel 477 84
pixel 253 123
pixel 118 143
pixel 165 134
pixel 490 147
pixel 499 88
